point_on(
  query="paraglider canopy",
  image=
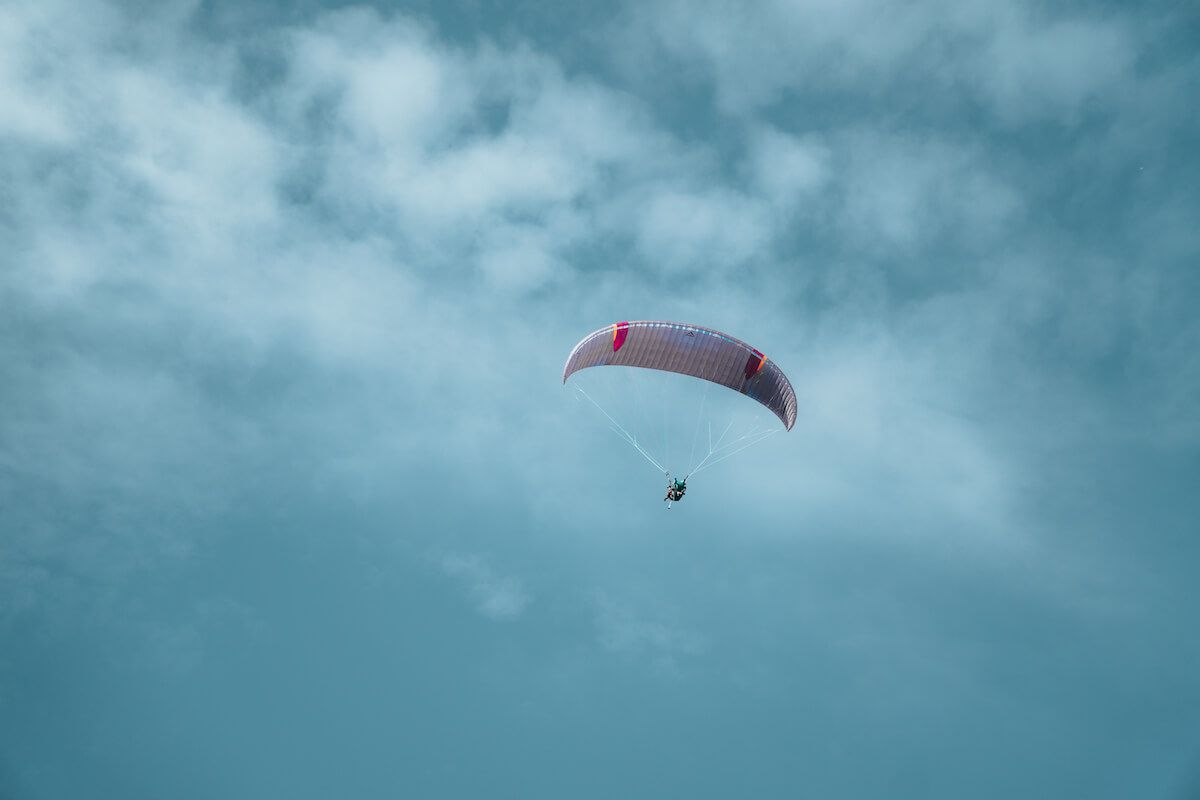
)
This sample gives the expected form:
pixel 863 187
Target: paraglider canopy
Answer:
pixel 693 350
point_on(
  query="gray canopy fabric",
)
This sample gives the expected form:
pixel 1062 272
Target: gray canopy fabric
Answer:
pixel 689 350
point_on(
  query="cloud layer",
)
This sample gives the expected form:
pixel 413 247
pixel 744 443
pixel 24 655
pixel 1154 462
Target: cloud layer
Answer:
pixel 284 297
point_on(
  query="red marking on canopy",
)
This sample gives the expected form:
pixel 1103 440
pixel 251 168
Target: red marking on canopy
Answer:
pixel 620 331
pixel 754 363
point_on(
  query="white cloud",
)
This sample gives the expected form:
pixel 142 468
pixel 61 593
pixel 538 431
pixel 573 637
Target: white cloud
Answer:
pixel 1024 63
pixel 904 192
pixel 196 152
pixel 447 186
pixel 397 93
pixel 519 258
pixel 705 231
pixel 1033 68
pixel 502 598
pixel 630 632
pixel 788 169
pixel 23 110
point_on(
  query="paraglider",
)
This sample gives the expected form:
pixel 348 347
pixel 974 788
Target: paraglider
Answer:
pixel 695 351
pixel 675 490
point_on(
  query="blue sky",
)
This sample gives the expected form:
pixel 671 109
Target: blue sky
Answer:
pixel 292 502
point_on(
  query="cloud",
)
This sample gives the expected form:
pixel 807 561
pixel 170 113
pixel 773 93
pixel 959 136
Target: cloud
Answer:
pixel 271 293
pixel 707 231
pixel 396 213
pixel 788 169
pixel 1021 62
pixel 499 138
pixel 23 113
pixel 630 632
pixel 1033 67
pixel 498 597
pixel 390 204
pixel 905 192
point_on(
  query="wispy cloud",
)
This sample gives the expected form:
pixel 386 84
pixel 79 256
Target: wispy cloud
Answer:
pixel 272 293
pixel 633 632
pixel 384 205
pixel 1023 61
pixel 502 598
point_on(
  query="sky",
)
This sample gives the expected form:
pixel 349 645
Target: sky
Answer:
pixel 293 502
